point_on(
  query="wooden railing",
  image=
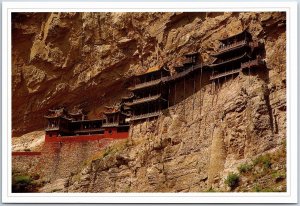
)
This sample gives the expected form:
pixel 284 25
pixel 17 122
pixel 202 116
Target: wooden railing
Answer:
pixel 146 84
pixel 216 76
pixel 144 116
pixel 224 61
pixel 142 100
pixel 231 46
pixel 188 61
pixel 52 128
pixel 110 124
pixel 256 62
pixel 88 130
pixel 184 73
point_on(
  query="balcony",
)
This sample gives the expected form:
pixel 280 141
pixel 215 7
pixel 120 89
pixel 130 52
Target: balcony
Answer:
pixel 253 63
pixel 143 100
pixel 144 116
pixel 54 128
pixel 89 130
pixel 146 84
pixel 229 60
pixel 220 75
pixel 230 47
pixel 110 124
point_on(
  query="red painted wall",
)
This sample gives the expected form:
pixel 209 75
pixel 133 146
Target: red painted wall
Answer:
pixel 107 134
pixel 25 153
pixel 112 133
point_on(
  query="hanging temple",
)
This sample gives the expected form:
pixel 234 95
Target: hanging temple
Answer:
pixel 155 90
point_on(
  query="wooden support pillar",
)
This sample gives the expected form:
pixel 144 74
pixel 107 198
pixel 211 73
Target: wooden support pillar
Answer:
pixel 219 86
pixel 132 129
pixel 194 90
pixel 213 82
pixel 148 117
pixel 200 89
pixel 157 126
pixel 249 76
pixel 140 126
pixel 184 96
pixel 147 123
pixel 175 93
pixel 169 95
pixel 200 100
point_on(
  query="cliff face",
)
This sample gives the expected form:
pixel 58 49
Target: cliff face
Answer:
pixel 88 58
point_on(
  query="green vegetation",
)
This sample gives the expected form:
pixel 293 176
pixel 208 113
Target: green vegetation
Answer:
pixel 211 190
pixel 278 176
pixel 128 189
pixel 22 179
pixel 264 160
pixel 107 151
pixel 265 173
pixel 244 168
pixel 55 190
pixel 23 183
pixel 259 189
pixel 114 148
pixel 232 180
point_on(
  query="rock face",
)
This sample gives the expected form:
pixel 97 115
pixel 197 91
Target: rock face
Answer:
pixel 80 59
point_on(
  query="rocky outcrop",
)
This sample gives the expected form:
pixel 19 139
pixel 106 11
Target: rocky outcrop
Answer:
pixel 196 143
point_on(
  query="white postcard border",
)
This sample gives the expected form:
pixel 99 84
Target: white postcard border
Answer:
pixel 287 197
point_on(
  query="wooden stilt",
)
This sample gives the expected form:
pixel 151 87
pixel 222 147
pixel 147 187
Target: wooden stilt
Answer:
pixel 140 126
pixel 169 95
pixel 200 101
pixel 249 77
pixel 175 93
pixel 184 96
pixel 213 90
pixel 132 129
pixel 157 126
pixel 194 90
pixel 147 122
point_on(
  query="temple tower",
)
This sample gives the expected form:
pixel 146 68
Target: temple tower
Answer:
pixel 232 55
pixel 149 96
pixel 58 124
pixel 115 121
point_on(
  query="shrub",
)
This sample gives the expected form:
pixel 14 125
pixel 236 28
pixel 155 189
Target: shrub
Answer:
pixel 22 179
pixel 257 188
pixel 232 180
pixel 107 151
pixel 243 168
pixel 278 176
pixel 128 189
pixel 264 160
pixel 22 183
pixel 211 190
